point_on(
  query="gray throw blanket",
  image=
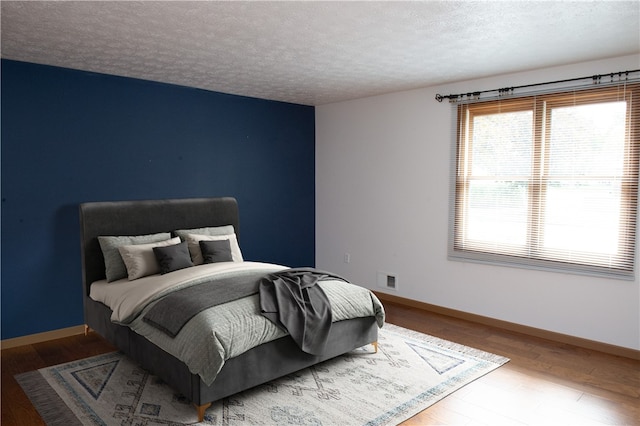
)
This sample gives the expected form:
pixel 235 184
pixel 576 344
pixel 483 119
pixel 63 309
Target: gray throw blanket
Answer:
pixel 293 300
pixel 173 311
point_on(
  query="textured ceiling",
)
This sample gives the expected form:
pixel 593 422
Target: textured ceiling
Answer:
pixel 316 52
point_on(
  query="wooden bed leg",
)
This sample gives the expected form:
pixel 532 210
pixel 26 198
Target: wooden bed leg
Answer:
pixel 201 409
pixel 86 330
pixel 375 347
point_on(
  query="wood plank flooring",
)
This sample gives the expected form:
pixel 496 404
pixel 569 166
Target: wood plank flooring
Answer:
pixel 545 383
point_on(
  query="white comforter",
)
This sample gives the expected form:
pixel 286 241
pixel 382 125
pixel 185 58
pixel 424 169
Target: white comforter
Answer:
pixel 127 298
pixel 224 331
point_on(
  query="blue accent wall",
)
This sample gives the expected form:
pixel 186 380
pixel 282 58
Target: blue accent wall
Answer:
pixel 71 136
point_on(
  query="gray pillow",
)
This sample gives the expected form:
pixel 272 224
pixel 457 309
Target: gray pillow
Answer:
pixel 140 260
pixel 172 258
pixel 113 264
pixel 216 251
pixel 192 236
pixel 212 230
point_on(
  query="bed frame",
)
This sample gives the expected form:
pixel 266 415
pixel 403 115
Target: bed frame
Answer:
pixel 256 366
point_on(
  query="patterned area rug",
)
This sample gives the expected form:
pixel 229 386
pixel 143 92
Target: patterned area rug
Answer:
pixel 410 372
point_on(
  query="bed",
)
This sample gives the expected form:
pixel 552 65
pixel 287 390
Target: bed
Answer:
pixel 279 355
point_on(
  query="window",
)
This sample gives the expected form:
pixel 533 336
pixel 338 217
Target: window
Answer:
pixel 549 181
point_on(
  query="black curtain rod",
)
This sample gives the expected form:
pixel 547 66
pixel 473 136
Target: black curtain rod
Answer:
pixel 596 79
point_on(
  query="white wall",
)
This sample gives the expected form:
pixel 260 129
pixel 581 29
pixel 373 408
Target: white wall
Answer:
pixel 382 185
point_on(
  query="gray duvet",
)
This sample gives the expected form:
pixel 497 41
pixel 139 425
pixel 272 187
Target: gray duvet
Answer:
pixel 172 312
pixel 219 333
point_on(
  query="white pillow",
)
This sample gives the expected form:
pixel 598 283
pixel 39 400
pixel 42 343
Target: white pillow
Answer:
pixel 140 260
pixel 115 268
pixel 193 241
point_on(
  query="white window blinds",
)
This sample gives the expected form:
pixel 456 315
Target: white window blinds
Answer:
pixel 549 181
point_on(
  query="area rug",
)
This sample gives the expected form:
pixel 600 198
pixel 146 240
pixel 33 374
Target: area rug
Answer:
pixel 410 372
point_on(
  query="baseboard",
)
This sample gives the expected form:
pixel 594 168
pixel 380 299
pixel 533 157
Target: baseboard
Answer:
pixel 41 337
pixel 505 325
pixel 518 328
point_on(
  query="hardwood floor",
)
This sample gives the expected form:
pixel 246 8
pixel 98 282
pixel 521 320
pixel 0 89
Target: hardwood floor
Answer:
pixel 545 383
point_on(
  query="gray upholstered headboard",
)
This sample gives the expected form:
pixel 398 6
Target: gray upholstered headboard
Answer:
pixel 145 217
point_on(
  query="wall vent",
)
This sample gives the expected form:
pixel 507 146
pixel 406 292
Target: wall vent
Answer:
pixel 387 280
pixel 391 282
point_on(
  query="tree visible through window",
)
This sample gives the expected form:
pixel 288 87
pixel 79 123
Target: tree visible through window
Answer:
pixel 549 181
